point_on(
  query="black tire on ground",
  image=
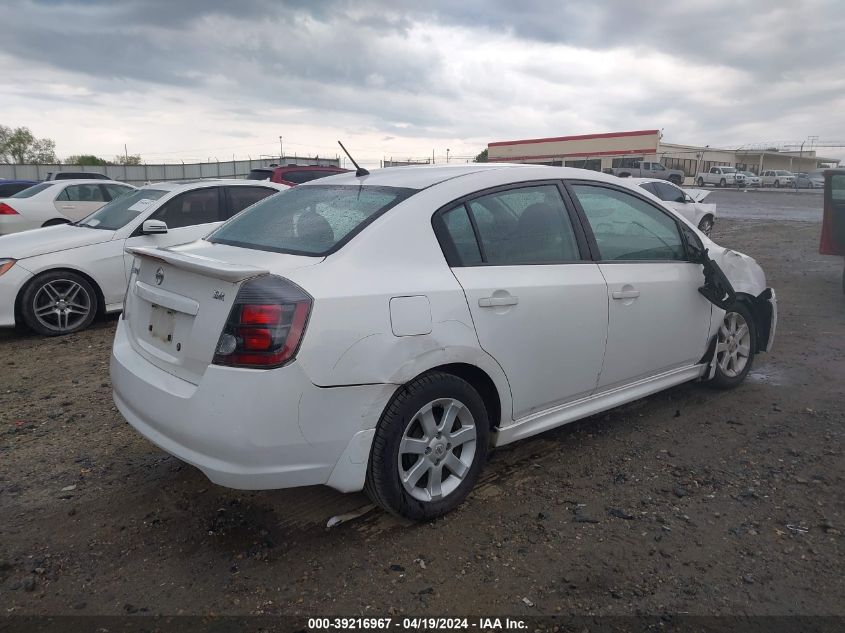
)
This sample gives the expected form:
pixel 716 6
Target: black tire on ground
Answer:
pixel 383 483
pixel 55 222
pixel 71 313
pixel 701 182
pixel 777 184
pixel 675 180
pixel 723 182
pixel 729 380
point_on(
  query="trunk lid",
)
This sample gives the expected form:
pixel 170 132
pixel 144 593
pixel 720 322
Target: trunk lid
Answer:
pixel 178 301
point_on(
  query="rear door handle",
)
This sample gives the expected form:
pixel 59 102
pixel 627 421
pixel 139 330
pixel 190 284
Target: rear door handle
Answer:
pixel 492 302
pixel 68 206
pixel 626 294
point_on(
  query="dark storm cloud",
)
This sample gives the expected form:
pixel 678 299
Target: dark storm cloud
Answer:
pixel 360 61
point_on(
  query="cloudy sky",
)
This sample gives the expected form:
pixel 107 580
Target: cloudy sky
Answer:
pixel 216 78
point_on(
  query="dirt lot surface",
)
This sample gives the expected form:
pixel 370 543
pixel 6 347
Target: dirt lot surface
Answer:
pixel 692 501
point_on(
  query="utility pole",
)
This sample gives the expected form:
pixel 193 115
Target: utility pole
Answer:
pixel 281 150
pixel 800 156
pixel 447 154
pixel 125 154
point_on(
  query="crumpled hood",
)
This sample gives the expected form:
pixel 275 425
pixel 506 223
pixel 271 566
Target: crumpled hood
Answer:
pixel 698 194
pixel 50 240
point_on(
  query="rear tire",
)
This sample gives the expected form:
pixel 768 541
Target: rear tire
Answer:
pixel 723 182
pixel 777 184
pixel 675 180
pixel 58 302
pixel 735 347
pixel 429 447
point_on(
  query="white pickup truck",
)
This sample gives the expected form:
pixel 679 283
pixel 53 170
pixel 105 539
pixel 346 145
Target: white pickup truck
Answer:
pixel 721 177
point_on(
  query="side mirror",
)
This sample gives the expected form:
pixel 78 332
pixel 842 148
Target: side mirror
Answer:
pixel 688 199
pixel 153 227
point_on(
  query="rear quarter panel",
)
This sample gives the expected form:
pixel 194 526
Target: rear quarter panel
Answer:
pixel 349 338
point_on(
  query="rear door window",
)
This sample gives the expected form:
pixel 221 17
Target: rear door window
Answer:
pixel 199 206
pixel 524 225
pixel 628 228
pixel 458 227
pixel 82 193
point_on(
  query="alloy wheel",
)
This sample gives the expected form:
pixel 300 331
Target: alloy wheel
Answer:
pixel 61 305
pixel 733 345
pixel 437 449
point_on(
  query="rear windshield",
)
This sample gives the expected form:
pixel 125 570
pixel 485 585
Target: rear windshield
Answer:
pixel 260 174
pixel 314 220
pixel 31 191
pixel 120 211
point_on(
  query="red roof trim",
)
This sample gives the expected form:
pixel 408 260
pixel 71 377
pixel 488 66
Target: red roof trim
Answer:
pixel 581 137
pixel 619 152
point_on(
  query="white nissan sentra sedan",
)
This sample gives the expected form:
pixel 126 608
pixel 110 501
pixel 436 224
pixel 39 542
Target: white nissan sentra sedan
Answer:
pixel 383 331
pixel 55 280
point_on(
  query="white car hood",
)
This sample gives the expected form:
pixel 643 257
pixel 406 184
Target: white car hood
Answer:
pixel 698 194
pixel 50 240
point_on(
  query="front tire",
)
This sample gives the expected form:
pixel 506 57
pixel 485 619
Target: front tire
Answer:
pixel 701 182
pixel 723 182
pixel 777 184
pixel 429 447
pixel 735 347
pixel 58 302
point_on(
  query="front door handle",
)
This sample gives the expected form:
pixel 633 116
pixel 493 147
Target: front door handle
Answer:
pixel 492 302
pixel 626 294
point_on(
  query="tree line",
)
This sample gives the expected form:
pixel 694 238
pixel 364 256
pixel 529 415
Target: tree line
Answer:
pixel 20 146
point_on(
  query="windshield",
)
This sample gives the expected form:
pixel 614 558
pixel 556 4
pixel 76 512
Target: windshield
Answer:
pixel 728 170
pixel 31 191
pixel 748 173
pixel 120 211
pixel 313 220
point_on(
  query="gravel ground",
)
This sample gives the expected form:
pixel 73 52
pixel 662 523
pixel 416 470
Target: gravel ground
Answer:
pixel 691 501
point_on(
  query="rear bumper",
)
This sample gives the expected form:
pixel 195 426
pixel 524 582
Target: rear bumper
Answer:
pixel 11 283
pixel 250 429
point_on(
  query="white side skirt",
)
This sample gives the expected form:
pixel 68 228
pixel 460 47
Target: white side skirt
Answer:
pixel 577 409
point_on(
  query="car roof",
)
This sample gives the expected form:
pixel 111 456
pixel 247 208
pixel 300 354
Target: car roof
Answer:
pixel 640 181
pixel 85 181
pixel 184 185
pixel 420 177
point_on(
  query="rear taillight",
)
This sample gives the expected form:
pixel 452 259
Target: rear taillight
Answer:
pixel 5 209
pixel 266 324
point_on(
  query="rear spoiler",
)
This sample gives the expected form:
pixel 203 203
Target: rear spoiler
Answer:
pixel 200 265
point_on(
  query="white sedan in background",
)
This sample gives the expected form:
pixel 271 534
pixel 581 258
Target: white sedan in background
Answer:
pixel 384 330
pixel 688 202
pixel 55 280
pixel 56 202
